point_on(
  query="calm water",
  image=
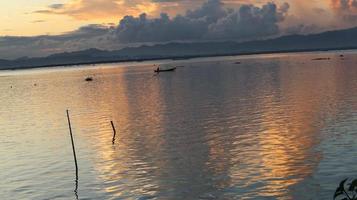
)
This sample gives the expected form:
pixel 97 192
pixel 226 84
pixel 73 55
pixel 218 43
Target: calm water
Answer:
pixel 274 127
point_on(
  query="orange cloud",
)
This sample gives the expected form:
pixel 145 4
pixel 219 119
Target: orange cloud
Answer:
pixel 345 10
pixel 344 5
pixel 100 9
pixel 322 15
pixel 116 9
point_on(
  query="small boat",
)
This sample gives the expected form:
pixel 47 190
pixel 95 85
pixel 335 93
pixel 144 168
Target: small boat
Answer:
pixel 322 58
pixel 158 70
pixel 88 79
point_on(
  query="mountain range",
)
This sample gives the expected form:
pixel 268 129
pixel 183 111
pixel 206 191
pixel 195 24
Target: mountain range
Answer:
pixel 330 40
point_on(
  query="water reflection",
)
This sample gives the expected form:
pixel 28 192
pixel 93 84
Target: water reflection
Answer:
pixel 211 130
pixel 211 149
pixel 257 137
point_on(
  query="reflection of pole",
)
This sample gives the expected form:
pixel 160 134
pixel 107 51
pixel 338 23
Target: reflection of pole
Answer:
pixel 74 150
pixel 114 132
pixel 76 190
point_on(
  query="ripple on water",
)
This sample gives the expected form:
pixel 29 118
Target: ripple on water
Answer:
pixel 266 129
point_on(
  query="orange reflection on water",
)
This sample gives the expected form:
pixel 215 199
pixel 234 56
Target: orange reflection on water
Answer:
pixel 138 136
pixel 273 153
pixel 205 131
pixel 289 127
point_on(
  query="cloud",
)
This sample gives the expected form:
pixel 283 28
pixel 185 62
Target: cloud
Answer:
pixel 98 9
pixel 249 22
pixel 56 6
pixel 346 10
pixel 90 36
pixel 211 21
pixel 115 9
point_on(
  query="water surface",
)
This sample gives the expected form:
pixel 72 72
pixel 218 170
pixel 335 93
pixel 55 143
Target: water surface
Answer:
pixel 273 127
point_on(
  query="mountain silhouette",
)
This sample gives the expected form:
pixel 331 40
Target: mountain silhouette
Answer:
pixel 330 40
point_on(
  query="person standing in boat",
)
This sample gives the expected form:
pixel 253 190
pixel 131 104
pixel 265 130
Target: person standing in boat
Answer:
pixel 157 69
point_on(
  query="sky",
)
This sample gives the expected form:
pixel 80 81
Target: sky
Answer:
pixel 43 27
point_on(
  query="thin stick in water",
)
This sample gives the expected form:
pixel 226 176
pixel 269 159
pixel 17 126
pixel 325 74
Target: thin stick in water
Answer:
pixel 114 131
pixel 73 148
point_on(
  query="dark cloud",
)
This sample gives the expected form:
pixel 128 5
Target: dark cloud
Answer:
pixel 211 21
pixel 284 8
pixel 354 3
pixel 43 11
pixel 344 4
pixel 211 11
pixel 56 6
pixel 85 37
pixel 249 22
pixel 142 29
pixel 51 9
pixel 346 9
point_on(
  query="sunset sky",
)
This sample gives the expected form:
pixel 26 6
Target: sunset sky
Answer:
pixel 93 20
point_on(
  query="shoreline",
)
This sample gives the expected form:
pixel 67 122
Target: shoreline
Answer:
pixel 73 64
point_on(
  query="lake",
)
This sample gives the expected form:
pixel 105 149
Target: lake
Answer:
pixel 276 126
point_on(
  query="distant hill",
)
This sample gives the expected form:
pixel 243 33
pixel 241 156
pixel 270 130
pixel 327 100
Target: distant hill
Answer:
pixel 331 40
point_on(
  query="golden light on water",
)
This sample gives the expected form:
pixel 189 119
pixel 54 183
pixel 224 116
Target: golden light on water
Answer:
pixel 253 130
pixel 287 132
pixel 130 142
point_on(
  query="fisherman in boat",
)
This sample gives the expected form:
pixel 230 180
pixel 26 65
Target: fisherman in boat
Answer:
pixel 157 69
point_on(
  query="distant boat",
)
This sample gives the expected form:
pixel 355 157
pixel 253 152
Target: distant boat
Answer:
pixel 158 70
pixel 88 79
pixel 321 58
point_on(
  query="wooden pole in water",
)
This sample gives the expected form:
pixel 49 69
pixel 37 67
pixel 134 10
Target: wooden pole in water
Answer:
pixel 114 131
pixel 73 148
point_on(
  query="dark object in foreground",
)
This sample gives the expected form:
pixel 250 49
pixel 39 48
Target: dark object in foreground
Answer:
pixel 73 148
pixel 237 63
pixel 349 194
pixel 321 59
pixel 165 70
pixel 88 79
pixel 114 132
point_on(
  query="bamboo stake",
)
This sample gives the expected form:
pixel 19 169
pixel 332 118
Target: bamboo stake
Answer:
pixel 114 132
pixel 73 148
